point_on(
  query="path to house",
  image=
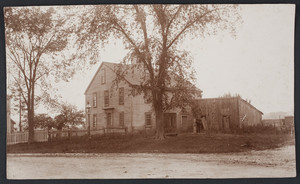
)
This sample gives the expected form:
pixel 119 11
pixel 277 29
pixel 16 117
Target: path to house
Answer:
pixel 268 163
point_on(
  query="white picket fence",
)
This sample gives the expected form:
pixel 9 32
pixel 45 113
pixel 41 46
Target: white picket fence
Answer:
pixel 73 133
pixel 44 135
pixel 22 137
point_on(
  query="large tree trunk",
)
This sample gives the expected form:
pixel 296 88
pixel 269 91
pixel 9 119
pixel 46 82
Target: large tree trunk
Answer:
pixel 31 117
pixel 30 125
pixel 20 112
pixel 159 117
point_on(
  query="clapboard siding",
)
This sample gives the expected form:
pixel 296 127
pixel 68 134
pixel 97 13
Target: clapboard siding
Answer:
pixel 227 113
pixel 134 107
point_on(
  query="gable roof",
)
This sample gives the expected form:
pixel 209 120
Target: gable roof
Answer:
pixel 235 97
pixel 103 63
pixel 111 66
pixel 250 105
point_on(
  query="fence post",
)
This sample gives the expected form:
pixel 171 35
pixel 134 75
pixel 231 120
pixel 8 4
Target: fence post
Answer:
pixel 15 138
pixel 69 134
pixel 49 135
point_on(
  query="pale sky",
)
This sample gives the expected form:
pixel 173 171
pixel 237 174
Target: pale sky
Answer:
pixel 258 64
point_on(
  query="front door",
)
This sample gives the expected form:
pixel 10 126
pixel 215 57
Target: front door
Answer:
pixel 170 122
pixel 184 122
pixel 109 119
pixel 226 122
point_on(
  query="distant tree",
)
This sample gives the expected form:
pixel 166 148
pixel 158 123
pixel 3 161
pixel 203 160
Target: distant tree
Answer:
pixel 69 117
pixel 35 38
pixel 18 105
pixel 153 35
pixel 44 121
pixel 229 95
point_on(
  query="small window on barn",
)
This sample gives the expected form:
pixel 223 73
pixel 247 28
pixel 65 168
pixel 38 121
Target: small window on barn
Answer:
pixel 94 120
pixel 103 76
pixel 94 99
pixel 121 96
pixel 106 98
pixel 121 119
pixel 148 118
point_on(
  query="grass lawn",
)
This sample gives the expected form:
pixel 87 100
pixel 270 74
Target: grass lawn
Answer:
pixel 136 143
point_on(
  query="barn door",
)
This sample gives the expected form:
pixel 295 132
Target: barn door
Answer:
pixel 225 123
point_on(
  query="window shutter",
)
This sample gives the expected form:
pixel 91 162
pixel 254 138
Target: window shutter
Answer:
pixel 121 118
pixel 94 120
pixel 94 99
pixel 106 98
pixel 148 118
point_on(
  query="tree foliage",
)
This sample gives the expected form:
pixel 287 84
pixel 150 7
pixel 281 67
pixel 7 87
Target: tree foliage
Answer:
pixel 229 95
pixel 68 117
pixel 35 38
pixel 153 35
pixel 44 121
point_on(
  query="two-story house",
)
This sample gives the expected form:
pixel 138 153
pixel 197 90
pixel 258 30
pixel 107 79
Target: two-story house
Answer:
pixel 112 106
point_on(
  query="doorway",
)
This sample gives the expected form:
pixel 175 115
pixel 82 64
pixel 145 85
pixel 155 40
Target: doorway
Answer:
pixel 184 122
pixel 226 123
pixel 109 119
pixel 170 122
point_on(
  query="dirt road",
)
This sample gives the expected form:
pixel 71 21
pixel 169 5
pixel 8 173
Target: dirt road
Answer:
pixel 267 163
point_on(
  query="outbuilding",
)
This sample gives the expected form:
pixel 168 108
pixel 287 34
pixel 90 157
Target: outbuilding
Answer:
pixel 227 114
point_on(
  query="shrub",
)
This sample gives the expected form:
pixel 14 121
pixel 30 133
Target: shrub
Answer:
pixel 262 130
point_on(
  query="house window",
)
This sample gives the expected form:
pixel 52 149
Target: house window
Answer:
pixel 94 99
pixel 103 76
pixel 121 119
pixel 106 98
pixel 121 96
pixel 148 118
pixel 94 120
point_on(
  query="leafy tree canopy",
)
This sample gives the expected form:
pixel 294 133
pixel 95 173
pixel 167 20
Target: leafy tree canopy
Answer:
pixel 153 34
pixel 69 117
pixel 36 38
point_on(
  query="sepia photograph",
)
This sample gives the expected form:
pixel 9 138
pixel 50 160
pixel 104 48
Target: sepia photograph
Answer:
pixel 135 91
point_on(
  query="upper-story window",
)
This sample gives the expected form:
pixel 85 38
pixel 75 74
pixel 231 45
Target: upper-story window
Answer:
pixel 94 99
pixel 121 96
pixel 106 98
pixel 103 76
